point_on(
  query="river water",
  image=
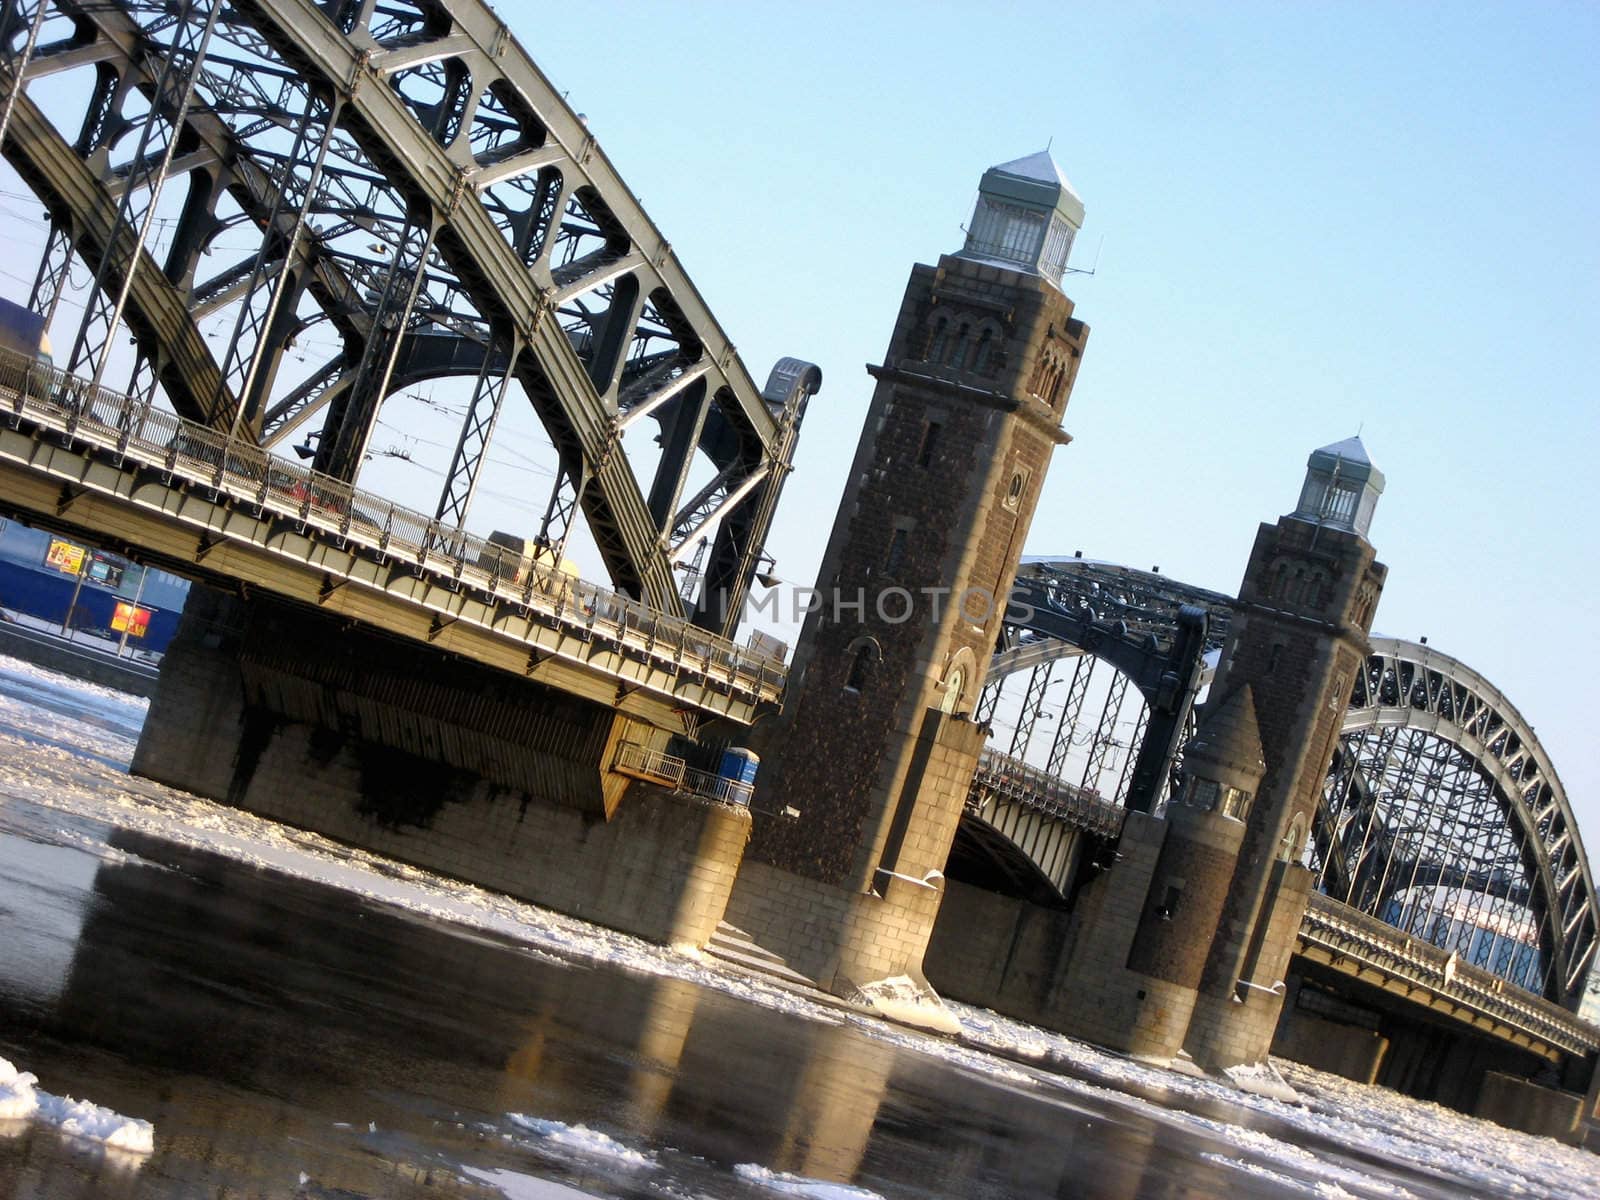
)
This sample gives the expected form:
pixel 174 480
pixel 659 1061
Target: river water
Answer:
pixel 294 1019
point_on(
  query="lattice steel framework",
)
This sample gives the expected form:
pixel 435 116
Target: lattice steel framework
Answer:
pixel 1444 816
pixel 408 185
pixel 1154 632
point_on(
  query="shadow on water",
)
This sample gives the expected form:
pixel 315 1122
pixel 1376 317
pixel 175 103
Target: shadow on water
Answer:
pixel 276 1031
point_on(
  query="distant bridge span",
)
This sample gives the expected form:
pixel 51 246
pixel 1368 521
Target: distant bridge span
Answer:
pixel 1443 817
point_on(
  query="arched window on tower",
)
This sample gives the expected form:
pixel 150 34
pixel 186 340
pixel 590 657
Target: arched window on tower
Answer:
pixel 963 347
pixel 984 358
pixel 865 655
pixel 1289 850
pixel 940 339
pixel 954 685
pixel 1279 584
pixel 1057 384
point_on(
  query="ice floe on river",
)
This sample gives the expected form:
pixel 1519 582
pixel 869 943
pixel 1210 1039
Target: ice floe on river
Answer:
pixel 799 1185
pixel 68 756
pixel 579 1140
pixel 21 1100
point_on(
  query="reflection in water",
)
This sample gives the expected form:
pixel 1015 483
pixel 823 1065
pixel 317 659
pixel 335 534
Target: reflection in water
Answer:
pixel 39 933
pixel 274 1030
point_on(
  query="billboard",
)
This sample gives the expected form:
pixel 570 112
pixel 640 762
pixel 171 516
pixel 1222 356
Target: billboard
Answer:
pixel 64 556
pixel 130 619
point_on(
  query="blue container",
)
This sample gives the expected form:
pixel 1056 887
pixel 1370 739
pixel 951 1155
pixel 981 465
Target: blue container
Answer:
pixel 738 770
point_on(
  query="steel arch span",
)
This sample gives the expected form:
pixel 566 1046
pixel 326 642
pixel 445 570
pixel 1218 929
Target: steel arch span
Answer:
pixel 1153 632
pixel 400 178
pixel 1444 816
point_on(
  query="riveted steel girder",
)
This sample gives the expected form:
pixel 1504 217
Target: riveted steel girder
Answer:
pixel 579 416
pixel 1413 687
pixel 157 311
pixel 440 116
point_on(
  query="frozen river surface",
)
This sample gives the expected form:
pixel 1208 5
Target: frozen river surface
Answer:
pixel 250 1011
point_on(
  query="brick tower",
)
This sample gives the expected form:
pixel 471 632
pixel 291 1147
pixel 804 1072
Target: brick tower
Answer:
pixel 876 746
pixel 1298 640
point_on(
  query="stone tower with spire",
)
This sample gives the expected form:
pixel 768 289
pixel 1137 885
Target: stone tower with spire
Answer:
pixel 1298 639
pixel 876 746
pixel 1181 945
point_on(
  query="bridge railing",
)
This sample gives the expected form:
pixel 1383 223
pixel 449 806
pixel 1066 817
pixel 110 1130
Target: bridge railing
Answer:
pixel 1044 793
pixel 1342 930
pixel 670 771
pixel 198 455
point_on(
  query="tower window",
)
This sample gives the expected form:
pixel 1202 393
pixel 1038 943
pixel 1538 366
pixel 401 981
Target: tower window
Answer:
pixel 1015 489
pixel 1289 848
pixel 1339 503
pixel 984 358
pixel 1203 794
pixel 941 336
pixel 1006 231
pixel 930 443
pixel 1234 802
pixel 897 552
pixel 866 655
pixel 958 360
pixel 1168 907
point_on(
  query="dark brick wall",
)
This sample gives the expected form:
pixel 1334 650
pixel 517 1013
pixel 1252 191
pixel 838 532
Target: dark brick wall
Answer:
pixel 837 753
pixel 1306 605
pixel 1174 946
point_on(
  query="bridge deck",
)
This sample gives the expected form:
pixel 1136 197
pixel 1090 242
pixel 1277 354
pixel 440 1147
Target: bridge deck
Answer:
pixel 1364 947
pixel 207 505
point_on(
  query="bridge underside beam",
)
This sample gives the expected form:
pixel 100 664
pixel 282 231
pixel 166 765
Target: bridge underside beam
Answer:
pixel 1373 975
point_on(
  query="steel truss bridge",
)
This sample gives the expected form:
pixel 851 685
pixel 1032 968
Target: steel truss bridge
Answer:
pixel 395 179
pixel 1444 835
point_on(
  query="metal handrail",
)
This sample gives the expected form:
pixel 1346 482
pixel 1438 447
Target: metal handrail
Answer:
pixel 197 455
pixel 1343 930
pixel 668 770
pixel 1045 793
pixel 653 765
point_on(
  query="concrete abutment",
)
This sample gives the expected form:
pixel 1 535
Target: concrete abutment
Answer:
pixel 407 753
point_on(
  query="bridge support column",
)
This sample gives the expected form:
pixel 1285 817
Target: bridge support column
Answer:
pixel 1238 1027
pixel 844 935
pixel 411 753
pixel 876 746
pixel 1297 641
pixel 1308 1032
pixel 1519 1104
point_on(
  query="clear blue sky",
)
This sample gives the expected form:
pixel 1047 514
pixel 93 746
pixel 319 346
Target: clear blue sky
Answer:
pixel 1315 218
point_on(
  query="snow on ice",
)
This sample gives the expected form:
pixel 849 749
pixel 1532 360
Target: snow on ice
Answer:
pixel 20 1100
pixel 38 765
pixel 580 1140
pixel 799 1185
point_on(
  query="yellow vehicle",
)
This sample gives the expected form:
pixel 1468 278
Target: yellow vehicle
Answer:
pixel 516 556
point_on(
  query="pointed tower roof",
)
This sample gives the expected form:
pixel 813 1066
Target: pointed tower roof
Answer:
pixel 1351 458
pixel 1342 487
pixel 1035 179
pixel 1040 166
pixel 1026 217
pixel 1228 742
